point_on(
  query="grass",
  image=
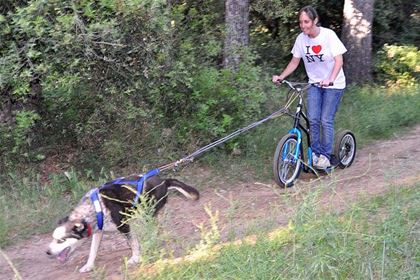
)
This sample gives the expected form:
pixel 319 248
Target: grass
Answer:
pixel 30 207
pixel 378 113
pixel 374 239
pixel 146 228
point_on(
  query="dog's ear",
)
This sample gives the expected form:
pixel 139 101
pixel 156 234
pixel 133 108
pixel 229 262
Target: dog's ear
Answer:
pixel 63 220
pixel 79 227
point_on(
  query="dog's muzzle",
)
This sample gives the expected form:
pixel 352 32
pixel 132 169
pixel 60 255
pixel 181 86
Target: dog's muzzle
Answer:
pixel 62 256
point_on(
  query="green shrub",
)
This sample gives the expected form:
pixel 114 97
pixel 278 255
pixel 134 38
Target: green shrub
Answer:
pixel 221 102
pixel 16 140
pixel 398 65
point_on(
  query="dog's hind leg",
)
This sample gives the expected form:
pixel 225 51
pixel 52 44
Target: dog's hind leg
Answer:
pixel 94 247
pixel 135 248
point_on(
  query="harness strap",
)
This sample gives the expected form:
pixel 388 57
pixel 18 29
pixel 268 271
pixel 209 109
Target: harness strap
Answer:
pixel 89 230
pixel 94 197
pixel 118 181
pixel 141 181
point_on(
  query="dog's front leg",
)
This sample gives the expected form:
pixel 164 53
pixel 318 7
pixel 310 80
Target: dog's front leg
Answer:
pixel 135 248
pixel 94 247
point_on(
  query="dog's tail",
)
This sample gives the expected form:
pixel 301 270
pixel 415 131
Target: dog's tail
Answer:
pixel 188 191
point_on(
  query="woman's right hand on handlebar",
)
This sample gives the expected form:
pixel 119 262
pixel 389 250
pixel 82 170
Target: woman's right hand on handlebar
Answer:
pixel 326 83
pixel 277 79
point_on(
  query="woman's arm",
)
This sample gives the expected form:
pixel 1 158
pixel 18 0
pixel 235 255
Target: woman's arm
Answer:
pixel 338 63
pixel 293 64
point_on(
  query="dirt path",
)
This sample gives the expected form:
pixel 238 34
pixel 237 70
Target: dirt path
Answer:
pixel 243 208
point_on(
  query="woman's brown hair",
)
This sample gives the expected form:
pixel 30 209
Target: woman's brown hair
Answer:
pixel 311 12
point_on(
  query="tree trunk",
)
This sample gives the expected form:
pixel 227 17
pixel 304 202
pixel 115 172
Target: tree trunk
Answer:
pixel 237 32
pixel 5 106
pixel 357 37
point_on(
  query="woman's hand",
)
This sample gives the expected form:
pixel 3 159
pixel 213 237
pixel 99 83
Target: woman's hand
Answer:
pixel 277 79
pixel 326 83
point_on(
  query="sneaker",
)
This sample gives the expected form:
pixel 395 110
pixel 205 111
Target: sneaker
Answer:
pixel 315 159
pixel 322 163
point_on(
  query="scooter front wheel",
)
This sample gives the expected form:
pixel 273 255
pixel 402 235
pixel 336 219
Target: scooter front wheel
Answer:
pixel 287 161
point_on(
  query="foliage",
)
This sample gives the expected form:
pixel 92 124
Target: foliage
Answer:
pixel 106 76
pixel 138 81
pixel 221 102
pixel 14 141
pixel 210 235
pixel 144 227
pixel 24 121
pixel 396 22
pixel 398 65
pixel 118 82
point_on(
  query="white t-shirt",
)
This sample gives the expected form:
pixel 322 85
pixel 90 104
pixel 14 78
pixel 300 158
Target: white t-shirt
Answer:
pixel 318 55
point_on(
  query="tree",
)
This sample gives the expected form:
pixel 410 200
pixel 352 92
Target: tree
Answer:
pixel 357 37
pixel 237 31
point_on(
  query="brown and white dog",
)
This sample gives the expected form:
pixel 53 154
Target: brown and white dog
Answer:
pixel 114 200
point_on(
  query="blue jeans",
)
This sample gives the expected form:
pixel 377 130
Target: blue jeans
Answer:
pixel 322 104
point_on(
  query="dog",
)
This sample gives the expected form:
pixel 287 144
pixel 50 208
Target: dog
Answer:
pixel 103 209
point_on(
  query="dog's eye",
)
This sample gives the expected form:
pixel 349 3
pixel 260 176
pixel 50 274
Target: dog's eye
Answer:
pixel 59 241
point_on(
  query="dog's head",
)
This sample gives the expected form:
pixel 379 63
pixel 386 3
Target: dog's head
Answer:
pixel 68 236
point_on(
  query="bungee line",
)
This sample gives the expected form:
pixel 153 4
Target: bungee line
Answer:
pixel 198 152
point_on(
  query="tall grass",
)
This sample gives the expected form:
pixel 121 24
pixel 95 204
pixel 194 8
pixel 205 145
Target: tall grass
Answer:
pixel 145 227
pixel 30 207
pixel 378 113
pixel 375 239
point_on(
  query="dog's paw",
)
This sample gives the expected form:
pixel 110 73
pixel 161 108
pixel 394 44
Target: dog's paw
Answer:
pixel 86 268
pixel 133 260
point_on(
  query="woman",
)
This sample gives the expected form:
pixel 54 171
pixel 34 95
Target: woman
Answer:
pixel 322 54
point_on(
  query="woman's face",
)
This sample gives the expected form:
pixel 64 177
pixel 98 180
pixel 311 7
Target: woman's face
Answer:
pixel 306 24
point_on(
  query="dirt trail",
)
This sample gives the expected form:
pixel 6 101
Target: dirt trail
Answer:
pixel 243 207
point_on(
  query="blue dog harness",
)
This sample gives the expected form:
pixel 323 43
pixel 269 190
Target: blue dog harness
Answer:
pixel 139 183
pixel 94 197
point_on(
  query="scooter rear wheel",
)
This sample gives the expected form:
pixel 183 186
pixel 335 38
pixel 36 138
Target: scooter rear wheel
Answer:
pixel 345 148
